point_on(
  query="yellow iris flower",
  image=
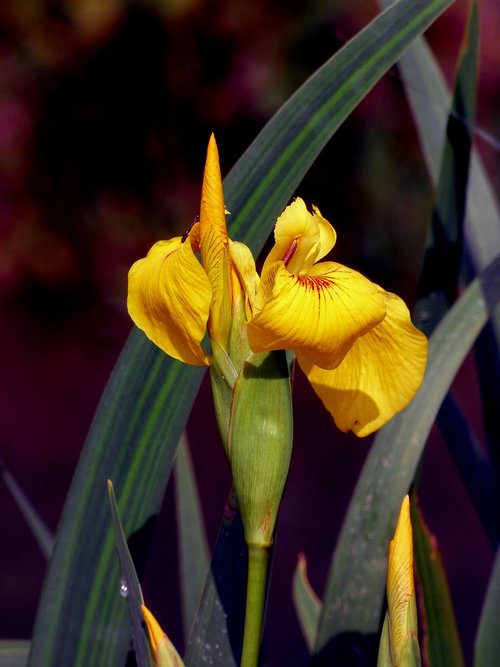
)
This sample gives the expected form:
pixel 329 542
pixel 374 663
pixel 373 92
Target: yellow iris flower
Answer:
pixel 354 341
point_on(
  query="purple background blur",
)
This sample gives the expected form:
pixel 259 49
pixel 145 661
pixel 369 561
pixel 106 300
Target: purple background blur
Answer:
pixel 105 112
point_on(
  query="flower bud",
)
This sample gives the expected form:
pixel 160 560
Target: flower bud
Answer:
pixel 399 643
pixel 260 442
pixel 164 652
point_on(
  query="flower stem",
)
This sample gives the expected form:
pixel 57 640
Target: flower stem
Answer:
pixel 258 558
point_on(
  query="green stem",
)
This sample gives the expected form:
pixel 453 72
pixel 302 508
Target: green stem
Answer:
pixel 258 558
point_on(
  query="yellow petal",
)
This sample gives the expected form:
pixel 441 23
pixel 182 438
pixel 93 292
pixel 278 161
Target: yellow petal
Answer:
pixel 378 377
pixel 300 238
pixel 319 315
pixel 214 246
pixel 400 585
pixel 244 266
pixel 212 209
pixel 169 297
pixel 327 234
pixel 164 652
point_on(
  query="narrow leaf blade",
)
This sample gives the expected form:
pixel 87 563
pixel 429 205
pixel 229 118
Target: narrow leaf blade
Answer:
pixel 194 555
pixel 487 647
pixel 307 603
pixel 274 164
pixel 218 630
pixel 42 534
pixel 132 441
pixel 441 642
pixel 130 587
pixel 429 99
pixel 14 653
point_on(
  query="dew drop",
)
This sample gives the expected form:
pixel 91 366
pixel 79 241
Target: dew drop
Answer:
pixel 425 315
pixel 123 588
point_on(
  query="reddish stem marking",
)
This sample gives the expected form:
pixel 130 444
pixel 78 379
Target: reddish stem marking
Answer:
pixel 290 253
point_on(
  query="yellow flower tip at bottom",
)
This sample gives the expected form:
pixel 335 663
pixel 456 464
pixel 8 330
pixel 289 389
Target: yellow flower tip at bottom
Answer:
pixel 401 605
pixel 164 652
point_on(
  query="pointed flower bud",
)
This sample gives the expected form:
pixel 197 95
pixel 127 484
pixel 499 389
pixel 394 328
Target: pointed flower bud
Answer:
pixel 400 634
pixel 164 652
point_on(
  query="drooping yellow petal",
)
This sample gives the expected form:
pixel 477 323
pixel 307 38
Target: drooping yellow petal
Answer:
pixel 300 238
pixel 379 375
pixel 319 315
pixel 169 297
pixel 400 585
pixel 164 652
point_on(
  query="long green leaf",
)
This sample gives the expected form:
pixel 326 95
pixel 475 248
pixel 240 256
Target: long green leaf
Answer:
pixel 275 163
pixel 429 99
pixel 194 558
pixel 355 589
pixel 147 401
pixel 441 644
pixel 440 277
pixel 473 466
pixel 42 534
pixel 487 647
pixel 14 653
pixel 218 631
pixel 82 618
pixel 130 587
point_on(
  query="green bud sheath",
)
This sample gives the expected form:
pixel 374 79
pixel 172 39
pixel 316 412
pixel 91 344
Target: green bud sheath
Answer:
pixel 222 377
pixel 260 442
pixel 384 651
pixel 225 366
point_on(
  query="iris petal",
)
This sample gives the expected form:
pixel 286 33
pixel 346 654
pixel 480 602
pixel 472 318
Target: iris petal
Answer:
pixel 296 238
pixel 214 246
pixel 327 234
pixel 300 238
pixel 214 257
pixel 212 209
pixel 169 297
pixel 244 266
pixel 378 377
pixel 320 314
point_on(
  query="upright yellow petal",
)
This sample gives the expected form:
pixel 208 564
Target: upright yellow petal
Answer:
pixel 246 275
pixel 300 238
pixel 327 234
pixel 318 315
pixel 214 246
pixel 169 297
pixel 212 209
pixel 379 375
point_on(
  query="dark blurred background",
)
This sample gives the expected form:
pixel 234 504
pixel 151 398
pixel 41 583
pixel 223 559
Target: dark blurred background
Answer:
pixel 105 112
